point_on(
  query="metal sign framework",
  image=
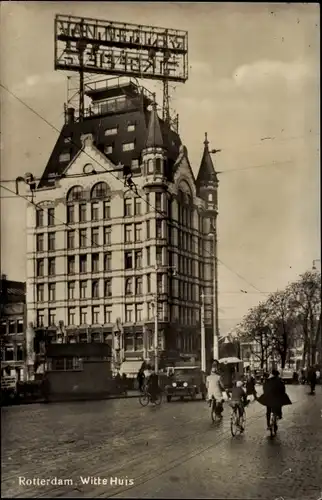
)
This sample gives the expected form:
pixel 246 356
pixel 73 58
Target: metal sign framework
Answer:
pixel 86 45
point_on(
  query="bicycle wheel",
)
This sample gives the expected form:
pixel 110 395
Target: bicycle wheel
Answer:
pixel 242 423
pixel 144 399
pixel 158 399
pixel 234 423
pixel 273 426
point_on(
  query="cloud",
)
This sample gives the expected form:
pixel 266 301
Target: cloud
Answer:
pixel 264 71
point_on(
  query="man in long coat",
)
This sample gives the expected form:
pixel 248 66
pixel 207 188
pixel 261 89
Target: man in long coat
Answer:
pixel 274 396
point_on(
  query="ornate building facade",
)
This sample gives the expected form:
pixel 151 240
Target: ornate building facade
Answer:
pixel 100 250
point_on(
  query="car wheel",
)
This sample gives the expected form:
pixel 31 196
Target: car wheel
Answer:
pixel 168 399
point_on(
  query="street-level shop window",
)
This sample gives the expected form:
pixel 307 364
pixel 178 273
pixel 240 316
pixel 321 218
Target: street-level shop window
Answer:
pixel 129 342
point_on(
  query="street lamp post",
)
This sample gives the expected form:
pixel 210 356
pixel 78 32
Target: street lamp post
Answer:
pixel 156 315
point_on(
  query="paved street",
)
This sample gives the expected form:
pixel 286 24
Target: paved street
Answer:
pixel 169 452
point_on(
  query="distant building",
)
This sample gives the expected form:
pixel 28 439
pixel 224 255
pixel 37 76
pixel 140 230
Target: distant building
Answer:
pixel 12 327
pixel 99 252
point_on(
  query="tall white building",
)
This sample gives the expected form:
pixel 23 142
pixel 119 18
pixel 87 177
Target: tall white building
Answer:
pixel 99 253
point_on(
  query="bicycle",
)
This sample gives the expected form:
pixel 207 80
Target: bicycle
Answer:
pixel 237 421
pixel 145 398
pixel 216 410
pixel 273 427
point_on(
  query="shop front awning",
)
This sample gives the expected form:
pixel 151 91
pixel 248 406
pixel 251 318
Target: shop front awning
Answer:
pixel 131 368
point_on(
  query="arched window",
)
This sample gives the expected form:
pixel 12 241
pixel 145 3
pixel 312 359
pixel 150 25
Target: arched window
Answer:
pixel 75 193
pixel 100 190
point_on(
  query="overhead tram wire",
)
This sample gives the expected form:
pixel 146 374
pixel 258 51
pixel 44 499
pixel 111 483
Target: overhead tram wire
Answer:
pixel 168 222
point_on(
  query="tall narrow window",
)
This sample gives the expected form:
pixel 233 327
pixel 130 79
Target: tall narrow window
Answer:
pixel 129 286
pixel 128 233
pixel 95 289
pixel 148 203
pixel 83 289
pixel 107 235
pixel 137 206
pixel 39 217
pixel 108 287
pixel 71 290
pixel 128 207
pixel 95 262
pixel 95 211
pixel 108 261
pixel 40 243
pixel 107 210
pixel 158 201
pixel 71 265
pixel 138 232
pixel 52 292
pixel 70 239
pixel 70 214
pixel 51 242
pixel 83 263
pixel 51 266
pixel 51 216
pixel 82 212
pixel 95 236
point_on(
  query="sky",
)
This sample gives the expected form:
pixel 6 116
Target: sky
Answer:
pixel 253 86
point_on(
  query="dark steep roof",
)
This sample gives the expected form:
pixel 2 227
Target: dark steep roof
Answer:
pixel 154 135
pixel 207 171
pixel 97 126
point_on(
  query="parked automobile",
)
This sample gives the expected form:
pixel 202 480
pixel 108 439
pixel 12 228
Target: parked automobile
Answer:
pixel 287 376
pixel 186 382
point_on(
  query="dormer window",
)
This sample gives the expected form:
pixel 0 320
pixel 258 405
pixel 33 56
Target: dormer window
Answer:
pixel 210 197
pixel 63 157
pixel 111 131
pixel 108 150
pixel 131 127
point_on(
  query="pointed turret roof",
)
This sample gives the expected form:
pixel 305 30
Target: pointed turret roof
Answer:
pixel 154 136
pixel 207 171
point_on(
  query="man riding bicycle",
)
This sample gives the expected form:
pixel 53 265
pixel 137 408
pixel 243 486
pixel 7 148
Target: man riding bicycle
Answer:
pixel 215 386
pixel 274 396
pixel 153 385
pixel 239 397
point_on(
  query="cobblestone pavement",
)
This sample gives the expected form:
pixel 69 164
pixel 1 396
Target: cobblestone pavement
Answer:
pixel 172 451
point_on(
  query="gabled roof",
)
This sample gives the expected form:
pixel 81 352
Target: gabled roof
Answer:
pixel 154 136
pixel 207 171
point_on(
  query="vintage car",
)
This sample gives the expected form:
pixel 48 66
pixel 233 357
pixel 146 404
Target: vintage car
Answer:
pixel 185 382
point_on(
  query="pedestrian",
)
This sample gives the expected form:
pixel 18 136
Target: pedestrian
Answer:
pixel 140 378
pixel 311 377
pixel 250 385
pixel 318 375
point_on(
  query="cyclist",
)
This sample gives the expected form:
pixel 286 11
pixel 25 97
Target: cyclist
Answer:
pixel 153 386
pixel 215 387
pixel 239 397
pixel 274 396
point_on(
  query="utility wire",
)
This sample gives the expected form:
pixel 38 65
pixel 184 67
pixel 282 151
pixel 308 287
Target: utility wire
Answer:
pixel 116 177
